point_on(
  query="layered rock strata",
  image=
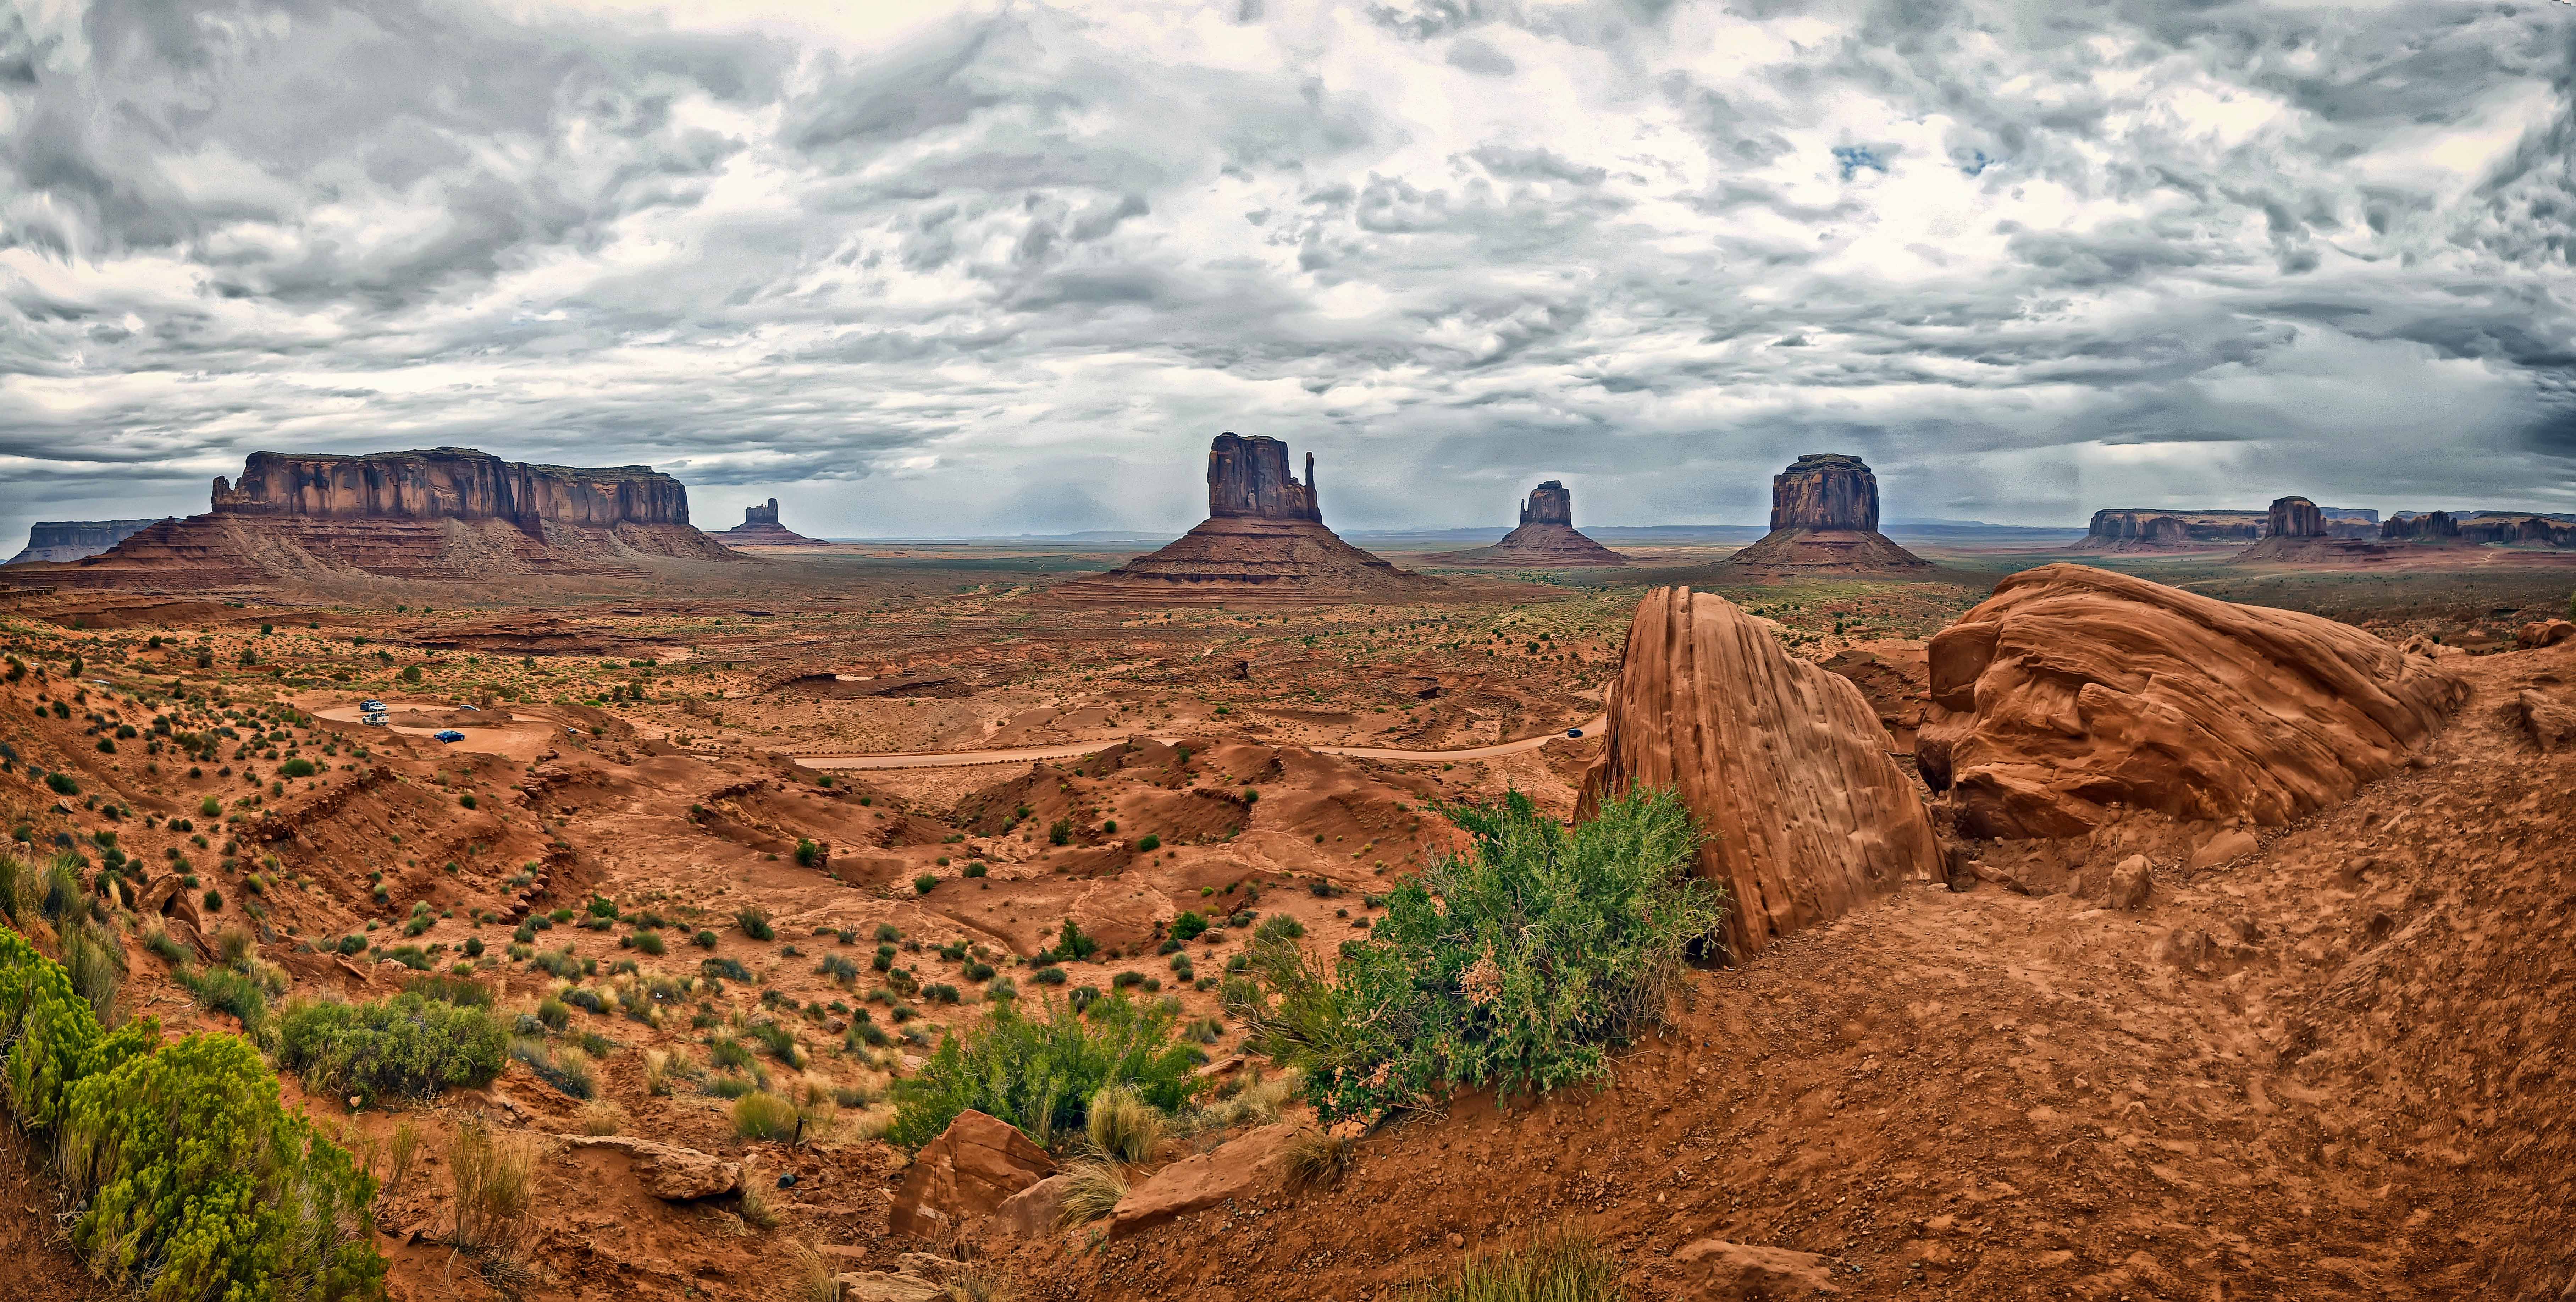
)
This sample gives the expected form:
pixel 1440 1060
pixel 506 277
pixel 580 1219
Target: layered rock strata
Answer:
pixel 2126 529
pixel 1824 519
pixel 1784 764
pixel 1545 539
pixel 2295 532
pixel 447 514
pixel 59 541
pixel 2075 692
pixel 760 528
pixel 1263 543
pixel 2481 528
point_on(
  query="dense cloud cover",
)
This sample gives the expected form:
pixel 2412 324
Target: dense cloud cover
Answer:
pixel 1007 268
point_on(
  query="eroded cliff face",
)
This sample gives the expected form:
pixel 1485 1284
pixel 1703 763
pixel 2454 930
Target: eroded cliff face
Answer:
pixel 2295 517
pixel 2152 528
pixel 1248 479
pixel 70 540
pixel 450 484
pixel 1549 503
pixel 1825 490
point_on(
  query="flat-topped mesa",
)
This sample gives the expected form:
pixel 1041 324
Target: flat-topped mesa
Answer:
pixel 760 528
pixel 2476 528
pixel 1546 538
pixel 1248 479
pixel 58 541
pixel 1825 490
pixel 1549 503
pixel 2295 517
pixel 1263 543
pixel 450 484
pixel 1824 519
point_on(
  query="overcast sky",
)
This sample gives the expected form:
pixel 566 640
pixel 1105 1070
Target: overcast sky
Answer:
pixel 1001 268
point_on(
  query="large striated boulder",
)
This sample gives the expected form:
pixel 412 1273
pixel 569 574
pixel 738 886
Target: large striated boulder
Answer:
pixel 2074 691
pixel 974 1166
pixel 1824 519
pixel 1785 765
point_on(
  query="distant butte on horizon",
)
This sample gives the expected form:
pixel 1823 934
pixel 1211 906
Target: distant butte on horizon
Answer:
pixel 1545 539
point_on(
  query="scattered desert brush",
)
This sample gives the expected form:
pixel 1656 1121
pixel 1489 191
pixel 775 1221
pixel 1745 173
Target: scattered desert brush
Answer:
pixel 1563 1267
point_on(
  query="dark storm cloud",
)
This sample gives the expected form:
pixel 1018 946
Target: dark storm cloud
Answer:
pixel 1007 271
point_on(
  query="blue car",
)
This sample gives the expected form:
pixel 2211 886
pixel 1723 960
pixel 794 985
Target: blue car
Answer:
pixel 447 734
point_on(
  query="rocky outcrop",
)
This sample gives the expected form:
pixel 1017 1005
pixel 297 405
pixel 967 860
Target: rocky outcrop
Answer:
pixel 1263 543
pixel 1233 1169
pixel 669 1172
pixel 2133 529
pixel 2295 517
pixel 1894 677
pixel 760 528
pixel 1784 764
pixel 60 541
pixel 448 514
pixel 450 484
pixel 1546 538
pixel 1248 480
pixel 2074 692
pixel 2425 527
pixel 2545 632
pixel 974 1166
pixel 1715 1270
pixel 2507 529
pixel 1824 520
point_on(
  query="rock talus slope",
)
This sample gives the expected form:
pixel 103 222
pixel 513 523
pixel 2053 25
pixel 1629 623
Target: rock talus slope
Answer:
pixel 2074 690
pixel 1785 765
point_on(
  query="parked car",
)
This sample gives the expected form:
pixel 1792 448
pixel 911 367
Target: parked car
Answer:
pixel 447 734
pixel 371 707
pixel 1574 732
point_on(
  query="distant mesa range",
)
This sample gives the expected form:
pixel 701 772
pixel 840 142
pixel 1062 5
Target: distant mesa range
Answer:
pixel 1264 542
pixel 1546 538
pixel 2152 529
pixel 760 528
pixel 440 514
pixel 58 541
pixel 1824 520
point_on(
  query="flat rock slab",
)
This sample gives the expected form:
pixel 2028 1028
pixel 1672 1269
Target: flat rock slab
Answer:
pixel 879 1286
pixel 669 1172
pixel 1719 1271
pixel 1230 1170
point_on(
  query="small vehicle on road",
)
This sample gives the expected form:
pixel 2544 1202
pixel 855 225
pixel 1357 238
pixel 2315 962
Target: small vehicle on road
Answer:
pixel 371 707
pixel 1574 732
pixel 447 734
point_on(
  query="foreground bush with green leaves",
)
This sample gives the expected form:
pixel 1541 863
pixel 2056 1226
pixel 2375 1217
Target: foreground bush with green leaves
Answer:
pixel 192 1180
pixel 1519 964
pixel 407 1046
pixel 1040 1074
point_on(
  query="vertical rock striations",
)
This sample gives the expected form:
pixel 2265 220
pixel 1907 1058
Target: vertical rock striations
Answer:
pixel 1263 543
pixel 1824 519
pixel 450 484
pixel 1546 538
pixel 1784 764
pixel 2073 692
pixel 2296 532
pixel 2295 517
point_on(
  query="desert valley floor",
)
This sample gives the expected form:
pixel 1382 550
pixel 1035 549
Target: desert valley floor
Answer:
pixel 682 845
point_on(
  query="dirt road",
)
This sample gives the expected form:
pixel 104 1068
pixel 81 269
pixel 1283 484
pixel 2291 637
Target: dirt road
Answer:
pixel 1025 754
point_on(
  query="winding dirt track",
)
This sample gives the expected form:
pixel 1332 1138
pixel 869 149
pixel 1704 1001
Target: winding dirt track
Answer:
pixel 1023 754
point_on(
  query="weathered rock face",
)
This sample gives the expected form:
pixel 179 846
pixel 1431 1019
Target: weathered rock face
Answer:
pixel 1263 543
pixel 1825 490
pixel 1234 1169
pixel 1546 538
pixel 58 541
pixel 450 484
pixel 1824 519
pixel 2508 529
pixel 974 1166
pixel 1248 479
pixel 2430 526
pixel 1784 764
pixel 2295 517
pixel 1549 503
pixel 1893 675
pixel 2130 529
pixel 669 1172
pixel 760 528
pixel 2074 691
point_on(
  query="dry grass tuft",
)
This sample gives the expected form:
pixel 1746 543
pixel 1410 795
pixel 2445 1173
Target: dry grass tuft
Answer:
pixel 601 1117
pixel 1317 1158
pixel 1563 1267
pixel 756 1210
pixel 404 1150
pixel 1092 1188
pixel 493 1187
pixel 1123 1125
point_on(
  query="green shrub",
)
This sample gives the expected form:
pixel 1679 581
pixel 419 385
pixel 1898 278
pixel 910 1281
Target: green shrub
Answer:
pixel 755 924
pixel 1519 964
pixel 763 1115
pixel 923 884
pixel 1278 926
pixel 191 1179
pixel 1070 945
pixel 568 1072
pixel 1189 926
pixel 405 1047
pixel 1151 842
pixel 1040 1073
pixel 299 767
pixel 808 854
pixel 704 939
pixel 226 990
pixel 650 942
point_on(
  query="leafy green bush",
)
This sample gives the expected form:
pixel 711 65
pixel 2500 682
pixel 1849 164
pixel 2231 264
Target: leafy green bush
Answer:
pixel 1518 964
pixel 193 1182
pixel 407 1046
pixel 1189 926
pixel 755 924
pixel 808 853
pixel 299 767
pixel 1040 1073
pixel 1150 842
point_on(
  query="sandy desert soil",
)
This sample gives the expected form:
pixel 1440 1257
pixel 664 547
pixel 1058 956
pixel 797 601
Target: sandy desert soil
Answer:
pixel 2332 1067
